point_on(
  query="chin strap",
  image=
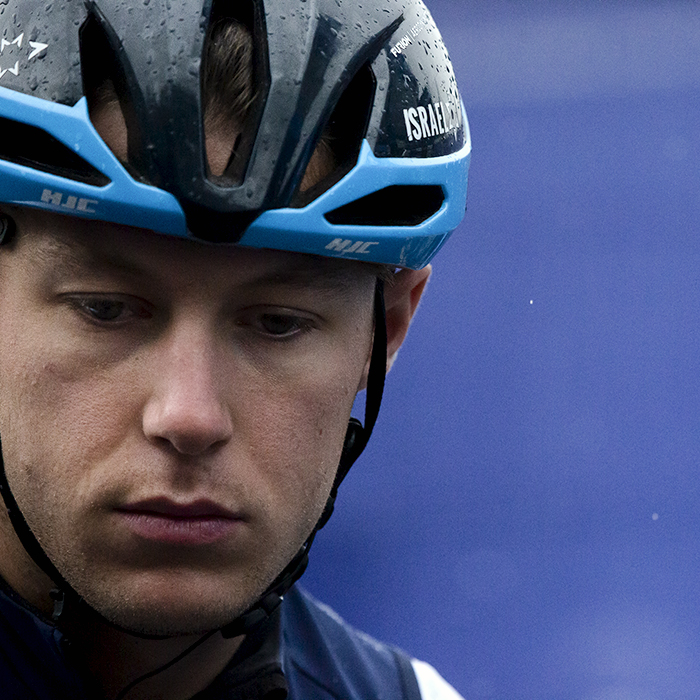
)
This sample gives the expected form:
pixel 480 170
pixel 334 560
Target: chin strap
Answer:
pixel 356 439
pixel 357 436
pixel 7 229
pixel 30 542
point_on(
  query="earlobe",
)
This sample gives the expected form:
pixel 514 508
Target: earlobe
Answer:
pixel 402 295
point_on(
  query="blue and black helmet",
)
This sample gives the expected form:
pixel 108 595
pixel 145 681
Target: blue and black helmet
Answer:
pixel 372 77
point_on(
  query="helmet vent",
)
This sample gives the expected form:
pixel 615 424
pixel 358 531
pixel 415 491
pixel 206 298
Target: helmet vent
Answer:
pixel 35 148
pixel 109 98
pixel 233 81
pixel 398 205
pixel 341 139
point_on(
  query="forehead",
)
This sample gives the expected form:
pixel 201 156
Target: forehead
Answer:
pixel 68 244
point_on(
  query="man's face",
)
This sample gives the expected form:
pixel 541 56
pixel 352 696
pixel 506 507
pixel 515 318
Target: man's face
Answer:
pixel 172 414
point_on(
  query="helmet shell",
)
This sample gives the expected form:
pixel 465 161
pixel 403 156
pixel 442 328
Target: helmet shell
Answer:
pixel 408 132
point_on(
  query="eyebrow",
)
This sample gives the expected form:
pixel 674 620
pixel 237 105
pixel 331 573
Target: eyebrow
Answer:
pixel 311 273
pixel 76 257
pixel 306 272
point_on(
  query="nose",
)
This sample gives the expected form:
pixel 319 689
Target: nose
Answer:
pixel 186 409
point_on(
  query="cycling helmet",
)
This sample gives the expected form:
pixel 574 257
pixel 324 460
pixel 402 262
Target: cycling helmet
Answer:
pixel 373 77
pixel 375 73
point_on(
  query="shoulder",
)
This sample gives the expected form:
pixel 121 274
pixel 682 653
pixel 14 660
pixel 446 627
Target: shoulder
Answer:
pixel 432 685
pixel 31 657
pixel 324 657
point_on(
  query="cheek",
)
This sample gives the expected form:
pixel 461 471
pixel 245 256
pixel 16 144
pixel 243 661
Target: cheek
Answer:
pixel 295 436
pixel 295 416
pixel 60 415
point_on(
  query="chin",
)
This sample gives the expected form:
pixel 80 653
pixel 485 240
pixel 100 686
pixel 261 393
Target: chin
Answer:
pixel 173 608
pixel 172 620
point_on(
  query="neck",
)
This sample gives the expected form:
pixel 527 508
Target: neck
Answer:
pixel 112 659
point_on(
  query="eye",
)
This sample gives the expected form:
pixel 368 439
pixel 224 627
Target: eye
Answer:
pixel 104 309
pixel 109 309
pixel 281 325
pixel 278 325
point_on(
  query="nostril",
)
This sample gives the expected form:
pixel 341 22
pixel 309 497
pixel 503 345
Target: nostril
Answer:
pixel 190 443
pixel 189 427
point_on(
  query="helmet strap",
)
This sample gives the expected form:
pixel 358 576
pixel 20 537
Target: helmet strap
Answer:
pixel 357 436
pixel 8 229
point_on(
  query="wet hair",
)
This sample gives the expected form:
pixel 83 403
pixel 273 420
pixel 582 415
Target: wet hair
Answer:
pixel 228 92
pixel 228 85
pixel 228 89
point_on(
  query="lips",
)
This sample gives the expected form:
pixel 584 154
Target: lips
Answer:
pixel 162 520
pixel 170 509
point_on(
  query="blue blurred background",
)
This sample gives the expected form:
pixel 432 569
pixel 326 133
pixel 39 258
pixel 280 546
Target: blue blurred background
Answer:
pixel 527 514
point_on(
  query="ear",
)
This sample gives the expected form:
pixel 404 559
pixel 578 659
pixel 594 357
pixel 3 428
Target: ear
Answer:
pixel 401 297
pixel 402 293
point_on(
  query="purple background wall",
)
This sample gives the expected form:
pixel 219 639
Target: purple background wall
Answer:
pixel 526 517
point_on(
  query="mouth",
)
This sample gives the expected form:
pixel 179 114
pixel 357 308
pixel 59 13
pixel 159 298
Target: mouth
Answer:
pixel 164 521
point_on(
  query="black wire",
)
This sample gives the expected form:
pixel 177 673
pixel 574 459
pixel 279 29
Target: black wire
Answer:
pixel 165 667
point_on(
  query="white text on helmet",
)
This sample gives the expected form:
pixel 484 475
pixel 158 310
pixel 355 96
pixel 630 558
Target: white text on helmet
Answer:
pixel 340 245
pixel 71 202
pixel 405 41
pixel 433 120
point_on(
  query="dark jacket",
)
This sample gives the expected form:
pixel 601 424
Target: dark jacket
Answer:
pixel 305 653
